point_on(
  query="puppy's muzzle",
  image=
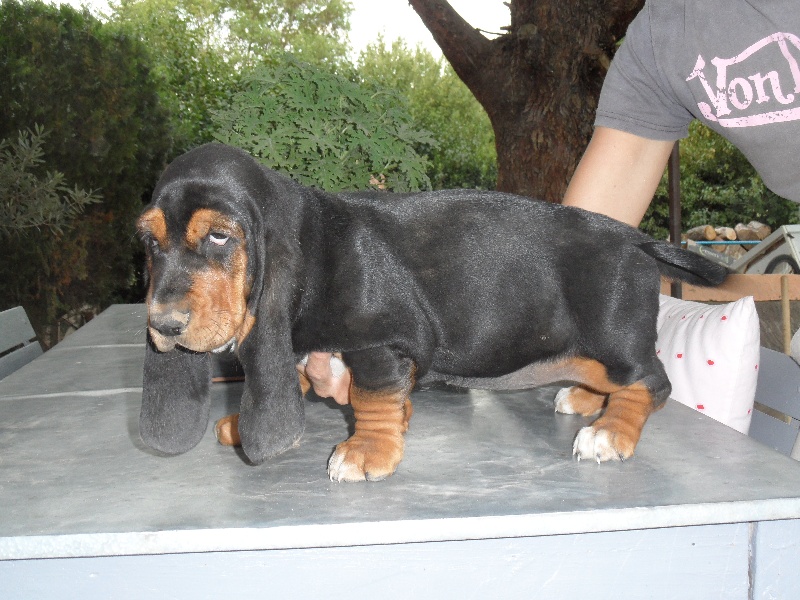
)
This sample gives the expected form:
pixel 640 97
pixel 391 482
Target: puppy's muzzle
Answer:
pixel 169 322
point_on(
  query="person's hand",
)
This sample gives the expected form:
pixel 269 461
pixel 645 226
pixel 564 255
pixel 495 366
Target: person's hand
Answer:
pixel 328 375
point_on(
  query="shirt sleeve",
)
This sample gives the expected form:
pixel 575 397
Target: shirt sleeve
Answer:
pixel 636 98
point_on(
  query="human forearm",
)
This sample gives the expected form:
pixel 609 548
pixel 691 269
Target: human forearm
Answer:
pixel 618 175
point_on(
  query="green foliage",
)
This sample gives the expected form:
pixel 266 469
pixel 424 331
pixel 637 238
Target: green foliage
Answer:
pixel 38 212
pixel 464 155
pixel 199 47
pixel 90 87
pixel 194 74
pixel 324 130
pixel 315 31
pixel 718 187
pixel 30 199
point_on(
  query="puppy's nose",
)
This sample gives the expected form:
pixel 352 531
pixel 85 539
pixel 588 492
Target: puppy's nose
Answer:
pixel 169 323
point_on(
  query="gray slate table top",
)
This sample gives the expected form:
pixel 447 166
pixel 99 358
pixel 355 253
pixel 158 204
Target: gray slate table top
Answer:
pixel 75 479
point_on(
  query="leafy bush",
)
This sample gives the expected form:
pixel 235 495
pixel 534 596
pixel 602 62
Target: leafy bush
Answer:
pixel 38 211
pixel 192 72
pixel 29 199
pixel 718 187
pixel 91 89
pixel 324 130
pixel 464 154
pixel 199 47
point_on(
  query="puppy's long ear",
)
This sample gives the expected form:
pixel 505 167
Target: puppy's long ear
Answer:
pixel 175 399
pixel 271 413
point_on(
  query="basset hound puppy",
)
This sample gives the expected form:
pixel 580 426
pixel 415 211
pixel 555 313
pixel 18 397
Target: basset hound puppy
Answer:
pixel 479 289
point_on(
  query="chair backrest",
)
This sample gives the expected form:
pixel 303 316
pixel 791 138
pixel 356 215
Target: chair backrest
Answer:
pixel 776 418
pixel 18 344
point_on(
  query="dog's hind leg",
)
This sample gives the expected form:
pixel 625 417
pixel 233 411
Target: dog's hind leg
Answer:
pixel 614 435
pixel 379 396
pixel 577 400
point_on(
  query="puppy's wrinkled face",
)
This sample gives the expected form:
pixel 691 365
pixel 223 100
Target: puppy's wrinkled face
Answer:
pixel 198 284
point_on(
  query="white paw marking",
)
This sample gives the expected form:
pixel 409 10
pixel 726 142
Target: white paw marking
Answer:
pixel 562 401
pixel 590 443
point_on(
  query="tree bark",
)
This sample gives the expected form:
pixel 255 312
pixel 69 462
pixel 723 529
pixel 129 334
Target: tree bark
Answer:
pixel 539 83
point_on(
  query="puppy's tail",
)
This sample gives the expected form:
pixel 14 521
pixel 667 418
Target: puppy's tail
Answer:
pixel 676 263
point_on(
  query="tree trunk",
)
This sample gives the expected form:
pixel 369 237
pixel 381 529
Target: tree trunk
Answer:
pixel 539 83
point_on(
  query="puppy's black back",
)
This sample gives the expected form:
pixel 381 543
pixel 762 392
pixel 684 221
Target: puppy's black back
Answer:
pixel 481 284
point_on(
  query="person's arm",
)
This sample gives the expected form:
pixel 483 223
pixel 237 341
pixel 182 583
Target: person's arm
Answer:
pixel 618 174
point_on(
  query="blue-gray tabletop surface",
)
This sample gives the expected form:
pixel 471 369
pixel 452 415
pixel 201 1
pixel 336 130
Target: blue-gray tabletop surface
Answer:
pixel 76 480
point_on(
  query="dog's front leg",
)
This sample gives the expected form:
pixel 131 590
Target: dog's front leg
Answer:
pixel 227 428
pixel 379 395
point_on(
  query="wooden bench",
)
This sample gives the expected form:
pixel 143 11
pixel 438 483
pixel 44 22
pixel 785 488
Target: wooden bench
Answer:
pixel 18 343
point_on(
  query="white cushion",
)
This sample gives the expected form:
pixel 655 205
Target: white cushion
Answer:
pixel 711 354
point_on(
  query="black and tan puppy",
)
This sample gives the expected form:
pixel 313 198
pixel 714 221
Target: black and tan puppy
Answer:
pixel 477 288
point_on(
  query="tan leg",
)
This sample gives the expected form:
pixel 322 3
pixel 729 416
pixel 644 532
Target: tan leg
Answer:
pixel 376 448
pixel 408 410
pixel 615 434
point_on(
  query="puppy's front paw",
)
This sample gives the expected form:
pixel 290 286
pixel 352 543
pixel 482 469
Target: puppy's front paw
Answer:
pixel 359 459
pixel 602 445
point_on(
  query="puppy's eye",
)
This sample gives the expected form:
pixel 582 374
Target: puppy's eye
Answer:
pixel 218 239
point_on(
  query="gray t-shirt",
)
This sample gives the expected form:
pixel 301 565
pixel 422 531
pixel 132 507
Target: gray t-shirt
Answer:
pixel 732 64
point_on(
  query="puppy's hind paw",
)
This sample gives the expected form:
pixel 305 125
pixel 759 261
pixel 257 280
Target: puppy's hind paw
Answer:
pixel 562 403
pixel 600 445
pixel 576 400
